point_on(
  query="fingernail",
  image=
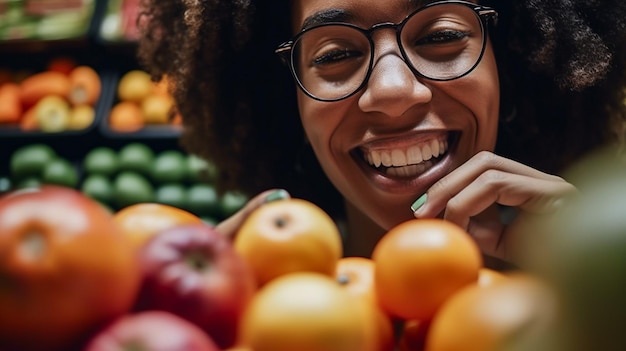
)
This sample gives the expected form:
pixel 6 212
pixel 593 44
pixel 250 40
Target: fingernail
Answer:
pixel 279 194
pixel 419 203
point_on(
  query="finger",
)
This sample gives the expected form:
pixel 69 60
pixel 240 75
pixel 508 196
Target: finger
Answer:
pixel 494 186
pixel 440 193
pixel 230 225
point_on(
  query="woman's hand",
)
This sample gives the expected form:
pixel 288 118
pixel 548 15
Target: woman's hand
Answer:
pixel 466 197
pixel 230 225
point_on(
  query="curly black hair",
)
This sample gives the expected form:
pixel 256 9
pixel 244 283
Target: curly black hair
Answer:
pixel 562 65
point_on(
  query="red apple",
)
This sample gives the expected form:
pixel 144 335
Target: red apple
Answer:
pixel 151 331
pixel 194 272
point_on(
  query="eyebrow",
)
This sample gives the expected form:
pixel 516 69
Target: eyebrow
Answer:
pixel 327 16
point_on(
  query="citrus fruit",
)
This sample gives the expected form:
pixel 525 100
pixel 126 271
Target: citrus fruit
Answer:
pixel 126 117
pixel 60 172
pixel 98 187
pixel 356 276
pixel 485 318
pixel 231 202
pixel 101 160
pixel 173 194
pixel 130 188
pixel 135 85
pixel 169 166
pixel 61 255
pixel 307 312
pixel 202 199
pixel 136 156
pixel 81 117
pixel 420 263
pixel 286 236
pixel 141 221
pixel 488 276
pixel 30 160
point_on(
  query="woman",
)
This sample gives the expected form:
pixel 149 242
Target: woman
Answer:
pixel 410 108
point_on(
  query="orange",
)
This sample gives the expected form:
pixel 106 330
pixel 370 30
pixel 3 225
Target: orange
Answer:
pixel 488 276
pixel 487 318
pixel 356 276
pixel 126 116
pixel 286 236
pixel 143 220
pixel 306 311
pixel 420 263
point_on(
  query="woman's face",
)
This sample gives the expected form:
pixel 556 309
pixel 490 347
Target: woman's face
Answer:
pixel 395 117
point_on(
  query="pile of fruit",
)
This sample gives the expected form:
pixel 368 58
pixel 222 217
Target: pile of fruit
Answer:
pixel 132 174
pixel 153 277
pixel 140 103
pixel 60 98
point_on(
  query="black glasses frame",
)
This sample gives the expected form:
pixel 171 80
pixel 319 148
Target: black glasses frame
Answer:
pixel 485 14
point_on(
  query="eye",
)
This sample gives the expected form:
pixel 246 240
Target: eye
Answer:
pixel 335 56
pixel 442 37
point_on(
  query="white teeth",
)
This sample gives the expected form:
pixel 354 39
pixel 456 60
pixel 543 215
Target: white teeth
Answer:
pixel 398 157
pixel 413 155
pixel 434 147
pixel 427 153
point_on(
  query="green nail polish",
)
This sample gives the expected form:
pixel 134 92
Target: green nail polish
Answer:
pixel 419 202
pixel 279 194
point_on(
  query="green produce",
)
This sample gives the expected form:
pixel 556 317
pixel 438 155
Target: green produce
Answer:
pixel 60 172
pixel 30 160
pixel 203 200
pixel 136 157
pixel 169 166
pixel 98 187
pixel 173 194
pixel 231 202
pixel 200 170
pixel 101 160
pixel 130 188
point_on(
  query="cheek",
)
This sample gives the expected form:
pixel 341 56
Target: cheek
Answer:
pixel 484 102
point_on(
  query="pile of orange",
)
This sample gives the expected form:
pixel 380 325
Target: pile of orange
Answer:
pixel 141 102
pixel 425 288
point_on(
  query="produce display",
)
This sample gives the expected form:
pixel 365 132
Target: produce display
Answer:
pixel 45 19
pixel 156 278
pixel 128 175
pixel 60 98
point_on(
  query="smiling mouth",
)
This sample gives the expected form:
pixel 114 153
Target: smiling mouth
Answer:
pixel 409 161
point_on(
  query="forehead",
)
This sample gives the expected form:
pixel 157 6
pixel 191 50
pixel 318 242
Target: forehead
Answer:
pixel 361 12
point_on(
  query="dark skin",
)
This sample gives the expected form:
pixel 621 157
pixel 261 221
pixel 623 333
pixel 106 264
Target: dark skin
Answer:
pixel 558 100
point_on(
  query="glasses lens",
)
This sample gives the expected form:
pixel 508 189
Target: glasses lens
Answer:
pixel 444 41
pixel 331 62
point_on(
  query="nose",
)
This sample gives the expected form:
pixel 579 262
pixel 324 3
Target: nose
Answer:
pixel 392 87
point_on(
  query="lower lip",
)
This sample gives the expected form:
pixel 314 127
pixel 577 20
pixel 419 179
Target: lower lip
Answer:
pixel 414 185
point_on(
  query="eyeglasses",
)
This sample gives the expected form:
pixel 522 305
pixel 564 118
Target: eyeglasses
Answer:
pixel 441 41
